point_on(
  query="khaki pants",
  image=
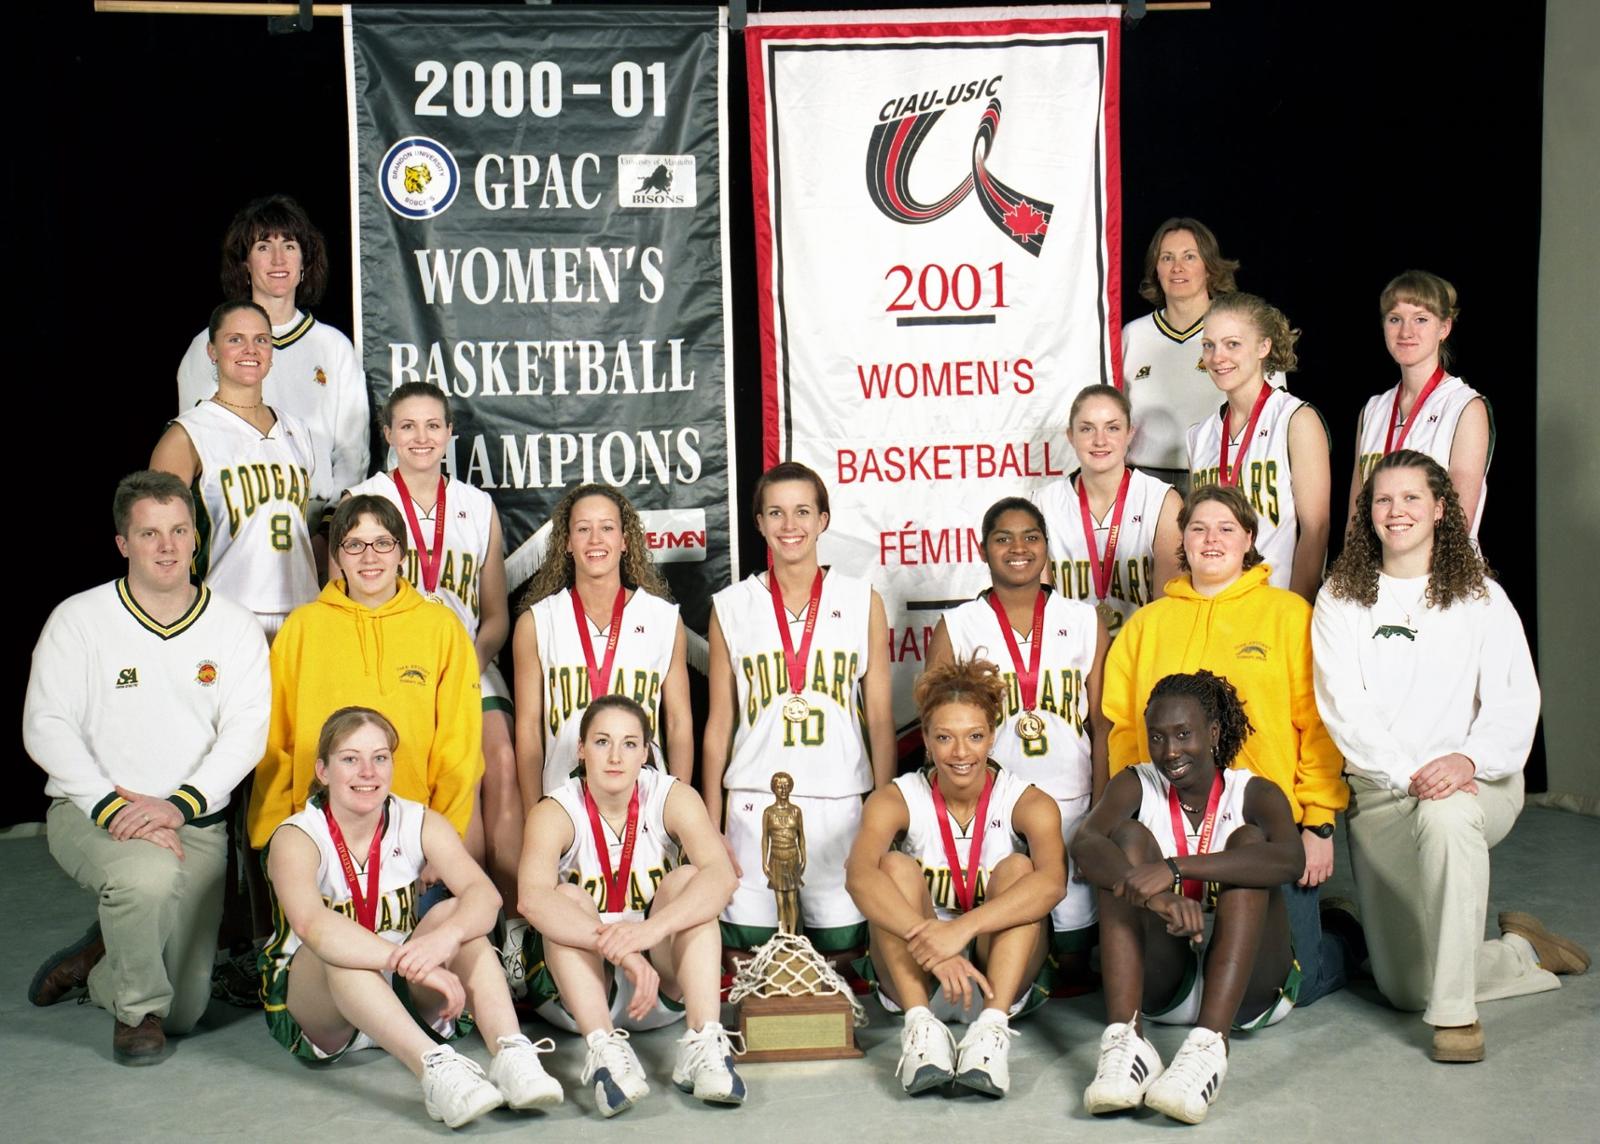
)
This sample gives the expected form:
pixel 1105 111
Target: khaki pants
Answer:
pixel 159 916
pixel 1422 876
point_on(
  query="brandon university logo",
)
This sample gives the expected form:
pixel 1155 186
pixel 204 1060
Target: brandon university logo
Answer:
pixel 893 148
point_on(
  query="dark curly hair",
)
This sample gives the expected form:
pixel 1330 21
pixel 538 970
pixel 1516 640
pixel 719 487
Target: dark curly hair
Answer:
pixel 1221 703
pixel 974 681
pixel 1456 570
pixel 638 570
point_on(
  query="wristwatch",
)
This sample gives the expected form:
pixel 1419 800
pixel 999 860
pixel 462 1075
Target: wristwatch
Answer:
pixel 1323 831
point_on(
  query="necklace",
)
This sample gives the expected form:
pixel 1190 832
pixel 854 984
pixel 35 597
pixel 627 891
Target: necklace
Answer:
pixel 221 400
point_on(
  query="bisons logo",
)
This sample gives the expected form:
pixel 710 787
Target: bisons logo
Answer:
pixel 411 673
pixel 418 178
pixel 321 378
pixel 904 125
pixel 1144 372
pixel 1388 630
pixel 1251 650
pixel 206 673
pixel 656 181
pixel 128 677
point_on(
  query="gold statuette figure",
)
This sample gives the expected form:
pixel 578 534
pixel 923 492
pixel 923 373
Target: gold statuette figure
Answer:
pixel 783 852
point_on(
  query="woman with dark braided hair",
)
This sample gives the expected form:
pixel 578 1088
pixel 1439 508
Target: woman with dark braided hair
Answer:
pixel 1172 840
pixel 1425 682
pixel 599 620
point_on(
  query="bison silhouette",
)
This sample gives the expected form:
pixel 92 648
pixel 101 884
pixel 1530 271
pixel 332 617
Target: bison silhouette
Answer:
pixel 659 180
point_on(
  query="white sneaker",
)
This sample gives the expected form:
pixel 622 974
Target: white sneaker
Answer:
pixel 705 1065
pixel 927 1052
pixel 1129 1064
pixel 1188 1087
pixel 513 959
pixel 618 1076
pixel 519 1076
pixel 454 1089
pixel 981 1057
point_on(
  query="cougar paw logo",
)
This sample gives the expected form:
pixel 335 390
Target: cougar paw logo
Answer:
pixel 1388 630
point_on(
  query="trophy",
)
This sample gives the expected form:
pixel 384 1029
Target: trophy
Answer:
pixel 793 1005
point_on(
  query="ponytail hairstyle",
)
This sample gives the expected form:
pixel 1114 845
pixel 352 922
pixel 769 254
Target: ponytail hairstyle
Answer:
pixel 1220 701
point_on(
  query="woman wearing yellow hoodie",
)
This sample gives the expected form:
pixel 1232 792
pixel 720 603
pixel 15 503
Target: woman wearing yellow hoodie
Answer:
pixel 1222 615
pixel 372 640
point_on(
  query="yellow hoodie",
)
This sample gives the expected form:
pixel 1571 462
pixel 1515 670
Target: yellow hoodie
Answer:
pixel 407 658
pixel 1259 637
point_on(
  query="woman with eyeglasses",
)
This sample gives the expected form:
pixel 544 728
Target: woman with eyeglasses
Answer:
pixel 371 639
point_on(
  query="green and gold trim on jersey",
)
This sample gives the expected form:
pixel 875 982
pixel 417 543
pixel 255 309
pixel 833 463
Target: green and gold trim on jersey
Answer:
pixel 1172 333
pixel 189 801
pixel 202 600
pixel 290 337
pixel 106 809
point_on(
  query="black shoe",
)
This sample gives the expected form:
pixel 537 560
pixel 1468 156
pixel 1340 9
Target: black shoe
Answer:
pixel 1339 917
pixel 237 980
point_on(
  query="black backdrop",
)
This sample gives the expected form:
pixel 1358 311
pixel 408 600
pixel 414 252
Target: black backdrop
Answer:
pixel 1329 146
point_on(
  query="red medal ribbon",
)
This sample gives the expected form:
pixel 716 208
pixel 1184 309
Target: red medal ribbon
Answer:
pixel 599 677
pixel 965 882
pixel 429 560
pixel 795 663
pixel 1231 477
pixel 366 905
pixel 616 884
pixel 1389 442
pixel 1098 568
pixel 1027 680
pixel 1192 887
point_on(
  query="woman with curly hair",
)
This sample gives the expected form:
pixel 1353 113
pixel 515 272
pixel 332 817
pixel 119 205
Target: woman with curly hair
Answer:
pixel 1419 311
pixel 1172 840
pixel 1271 445
pixel 1424 678
pixel 600 620
pixel 957 867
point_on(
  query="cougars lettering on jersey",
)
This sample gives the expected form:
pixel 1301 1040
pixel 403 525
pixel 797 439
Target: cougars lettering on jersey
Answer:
pixel 567 693
pixel 1131 581
pixel 941 887
pixel 247 488
pixel 766 681
pixel 1259 482
pixel 396 909
pixel 458 574
pixel 638 899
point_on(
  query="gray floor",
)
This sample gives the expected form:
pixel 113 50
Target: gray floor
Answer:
pixel 1346 1068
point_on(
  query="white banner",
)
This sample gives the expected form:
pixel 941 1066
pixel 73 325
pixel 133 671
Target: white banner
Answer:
pixel 938 229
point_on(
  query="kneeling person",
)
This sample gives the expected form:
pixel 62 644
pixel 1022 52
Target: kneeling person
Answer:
pixel 956 868
pixel 351 967
pixel 1170 841
pixel 613 910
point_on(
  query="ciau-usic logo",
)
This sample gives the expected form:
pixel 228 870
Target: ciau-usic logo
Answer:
pixel 903 126
pixel 419 178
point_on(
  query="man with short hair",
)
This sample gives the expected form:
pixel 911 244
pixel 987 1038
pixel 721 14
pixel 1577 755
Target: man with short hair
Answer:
pixel 147 703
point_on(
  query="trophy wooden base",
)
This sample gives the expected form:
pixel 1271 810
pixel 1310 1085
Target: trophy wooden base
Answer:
pixel 816 1027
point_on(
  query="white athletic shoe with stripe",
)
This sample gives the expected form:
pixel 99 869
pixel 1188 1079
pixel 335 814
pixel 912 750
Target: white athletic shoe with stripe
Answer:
pixel 1188 1088
pixel 1128 1066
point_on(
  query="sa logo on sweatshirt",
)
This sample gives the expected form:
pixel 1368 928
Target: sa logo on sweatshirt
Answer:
pixel 412 673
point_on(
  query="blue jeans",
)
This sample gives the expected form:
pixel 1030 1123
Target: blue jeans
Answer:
pixel 1323 958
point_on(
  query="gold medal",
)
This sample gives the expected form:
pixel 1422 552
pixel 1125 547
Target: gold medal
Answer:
pixel 796 709
pixel 1107 614
pixel 1030 726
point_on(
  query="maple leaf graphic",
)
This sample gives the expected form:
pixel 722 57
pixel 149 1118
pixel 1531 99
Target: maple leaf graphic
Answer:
pixel 1025 222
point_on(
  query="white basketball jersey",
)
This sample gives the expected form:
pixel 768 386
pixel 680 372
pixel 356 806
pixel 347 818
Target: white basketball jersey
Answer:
pixel 250 501
pixel 924 841
pixel 1433 430
pixel 1169 388
pixel 400 863
pixel 1265 477
pixel 1058 763
pixel 468 511
pixel 1155 813
pixel 654 850
pixel 825 754
pixel 644 653
pixel 1133 572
